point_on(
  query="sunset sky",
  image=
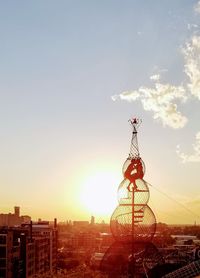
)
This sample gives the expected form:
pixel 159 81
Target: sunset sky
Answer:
pixel 72 73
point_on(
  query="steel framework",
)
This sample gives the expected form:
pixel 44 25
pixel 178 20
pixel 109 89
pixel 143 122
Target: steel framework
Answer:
pixel 133 223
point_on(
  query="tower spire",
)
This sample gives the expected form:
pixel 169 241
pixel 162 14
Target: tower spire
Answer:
pixel 134 149
pixel 133 223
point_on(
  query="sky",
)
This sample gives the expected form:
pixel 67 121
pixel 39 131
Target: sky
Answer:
pixel 72 73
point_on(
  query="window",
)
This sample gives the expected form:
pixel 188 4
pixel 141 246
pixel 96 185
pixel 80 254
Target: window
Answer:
pixel 2 273
pixel 2 252
pixel 2 263
pixel 2 239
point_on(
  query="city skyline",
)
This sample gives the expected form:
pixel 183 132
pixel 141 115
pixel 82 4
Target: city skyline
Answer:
pixel 71 76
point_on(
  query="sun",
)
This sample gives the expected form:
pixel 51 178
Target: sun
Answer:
pixel 99 193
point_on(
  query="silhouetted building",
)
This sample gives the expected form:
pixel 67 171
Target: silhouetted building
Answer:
pixel 27 255
pixel 28 250
pixel 45 238
pixel 83 240
pixel 13 219
pixel 11 259
pixel 92 222
pixel 80 224
pixel 42 256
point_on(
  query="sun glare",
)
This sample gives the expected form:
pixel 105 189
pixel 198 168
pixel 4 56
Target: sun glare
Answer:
pixel 99 193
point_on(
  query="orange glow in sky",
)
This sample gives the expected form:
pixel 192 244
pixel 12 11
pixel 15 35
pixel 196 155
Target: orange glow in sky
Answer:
pixel 71 76
pixel 99 193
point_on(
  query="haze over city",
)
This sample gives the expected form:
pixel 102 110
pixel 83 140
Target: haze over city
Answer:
pixel 71 75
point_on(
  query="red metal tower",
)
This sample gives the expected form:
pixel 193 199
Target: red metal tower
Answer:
pixel 133 223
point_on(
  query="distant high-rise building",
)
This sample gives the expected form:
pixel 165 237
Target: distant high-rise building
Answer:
pixel 92 222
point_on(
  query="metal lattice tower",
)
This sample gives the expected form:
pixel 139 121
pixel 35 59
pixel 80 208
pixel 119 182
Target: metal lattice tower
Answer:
pixel 132 223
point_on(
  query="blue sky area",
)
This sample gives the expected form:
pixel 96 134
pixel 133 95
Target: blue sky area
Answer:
pixel 61 62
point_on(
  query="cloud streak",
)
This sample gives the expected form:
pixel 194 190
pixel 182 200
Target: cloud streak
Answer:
pixel 161 101
pixel 155 77
pixel 197 7
pixel 191 54
pixel 195 156
pixel 164 99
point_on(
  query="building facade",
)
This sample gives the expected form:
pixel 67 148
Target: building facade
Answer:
pixel 13 219
pixel 28 250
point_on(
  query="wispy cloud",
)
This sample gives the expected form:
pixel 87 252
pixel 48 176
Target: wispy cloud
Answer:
pixel 191 54
pixel 195 156
pixel 155 77
pixel 127 95
pixel 161 101
pixel 190 26
pixel 197 7
pixel 164 99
